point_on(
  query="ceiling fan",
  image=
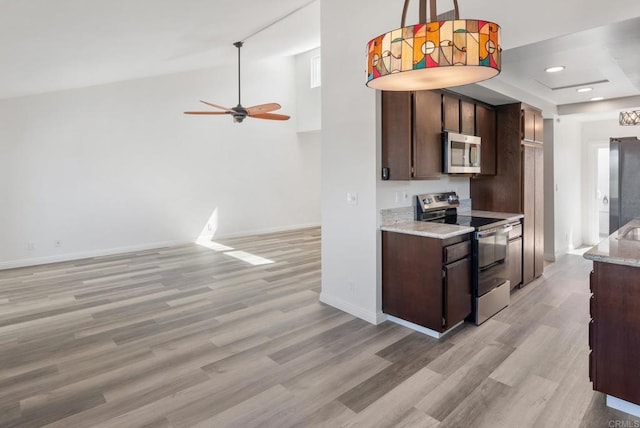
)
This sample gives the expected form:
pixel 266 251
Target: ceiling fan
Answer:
pixel 239 113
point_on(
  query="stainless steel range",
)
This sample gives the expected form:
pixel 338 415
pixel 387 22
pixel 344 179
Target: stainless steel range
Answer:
pixel 491 291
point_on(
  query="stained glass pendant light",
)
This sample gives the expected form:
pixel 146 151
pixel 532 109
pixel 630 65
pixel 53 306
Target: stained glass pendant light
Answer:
pixel 630 118
pixel 434 54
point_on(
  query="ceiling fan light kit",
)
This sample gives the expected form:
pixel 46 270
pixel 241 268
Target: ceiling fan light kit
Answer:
pixel 239 112
pixel 629 118
pixel 435 54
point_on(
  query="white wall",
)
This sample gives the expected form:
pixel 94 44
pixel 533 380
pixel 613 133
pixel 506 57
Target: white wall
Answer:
pixel 568 180
pixel 308 99
pixel 119 167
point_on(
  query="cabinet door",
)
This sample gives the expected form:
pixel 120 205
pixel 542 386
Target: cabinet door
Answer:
pixel 538 124
pixel 457 291
pixel 617 331
pixel 467 117
pixel 515 262
pixel 450 113
pixel 427 153
pixel 486 130
pixel 412 279
pixel 528 124
pixel 539 212
pixel 529 196
pixel 396 134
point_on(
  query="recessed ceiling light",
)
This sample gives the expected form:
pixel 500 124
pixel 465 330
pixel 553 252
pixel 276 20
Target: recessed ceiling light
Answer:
pixel 554 69
pixel 585 89
pixel 597 98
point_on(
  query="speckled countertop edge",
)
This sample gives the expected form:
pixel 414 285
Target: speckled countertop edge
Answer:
pixel 615 250
pixel 427 229
pixel 399 220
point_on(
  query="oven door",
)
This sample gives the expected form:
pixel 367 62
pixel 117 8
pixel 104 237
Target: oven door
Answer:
pixel 492 253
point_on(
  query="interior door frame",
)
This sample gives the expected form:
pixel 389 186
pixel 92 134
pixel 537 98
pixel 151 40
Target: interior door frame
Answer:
pixel 591 213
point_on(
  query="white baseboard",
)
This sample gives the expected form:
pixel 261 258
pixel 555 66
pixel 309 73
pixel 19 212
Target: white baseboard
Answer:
pixel 12 264
pixel 421 329
pixel 350 308
pixel 623 406
pixel 35 261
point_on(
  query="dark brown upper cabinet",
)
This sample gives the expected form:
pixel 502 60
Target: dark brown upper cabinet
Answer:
pixel 397 134
pixel 411 135
pixel 458 115
pixel 412 125
pixel 467 117
pixel 532 128
pixel 450 113
pixel 486 129
pixel 427 153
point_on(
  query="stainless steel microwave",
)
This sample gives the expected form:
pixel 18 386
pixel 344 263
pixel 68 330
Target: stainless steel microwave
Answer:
pixel 461 153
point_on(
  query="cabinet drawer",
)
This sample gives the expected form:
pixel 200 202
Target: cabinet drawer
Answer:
pixel 592 306
pixel 591 333
pixel 516 231
pixel 591 367
pixel 456 252
pixel 591 280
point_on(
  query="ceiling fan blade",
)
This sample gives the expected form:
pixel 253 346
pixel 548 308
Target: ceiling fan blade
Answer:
pixel 206 112
pixel 263 108
pixel 270 116
pixel 215 105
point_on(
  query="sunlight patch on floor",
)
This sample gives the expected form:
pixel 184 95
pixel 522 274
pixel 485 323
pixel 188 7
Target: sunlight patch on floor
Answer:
pixel 579 251
pixel 252 259
pixel 213 245
pixel 249 258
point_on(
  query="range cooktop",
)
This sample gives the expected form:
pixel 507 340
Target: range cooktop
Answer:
pixel 470 221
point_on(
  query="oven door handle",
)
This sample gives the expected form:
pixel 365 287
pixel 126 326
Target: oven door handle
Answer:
pixel 504 229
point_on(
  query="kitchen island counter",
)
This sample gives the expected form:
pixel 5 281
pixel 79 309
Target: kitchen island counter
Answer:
pixel 614 330
pixel 617 250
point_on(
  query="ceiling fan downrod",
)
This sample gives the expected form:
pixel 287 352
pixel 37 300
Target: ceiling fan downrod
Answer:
pixel 238 45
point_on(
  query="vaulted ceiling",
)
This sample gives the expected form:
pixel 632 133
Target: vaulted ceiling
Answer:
pixel 50 45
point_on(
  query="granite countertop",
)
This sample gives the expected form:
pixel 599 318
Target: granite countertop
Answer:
pixel 427 229
pixel 492 214
pixel 403 223
pixel 615 250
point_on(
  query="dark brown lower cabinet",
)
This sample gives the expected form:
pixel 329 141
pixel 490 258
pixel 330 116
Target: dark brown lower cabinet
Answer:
pixel 426 281
pixel 614 331
pixel 515 257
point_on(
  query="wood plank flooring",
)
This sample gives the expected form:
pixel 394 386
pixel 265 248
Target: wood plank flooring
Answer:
pixel 191 337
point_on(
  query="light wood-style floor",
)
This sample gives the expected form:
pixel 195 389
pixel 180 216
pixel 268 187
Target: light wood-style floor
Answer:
pixel 191 337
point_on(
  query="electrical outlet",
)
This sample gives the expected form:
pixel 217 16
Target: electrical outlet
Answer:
pixel 405 197
pixel 31 246
pixel 57 243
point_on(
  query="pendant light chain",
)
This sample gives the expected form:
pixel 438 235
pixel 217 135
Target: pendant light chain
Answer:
pixel 433 11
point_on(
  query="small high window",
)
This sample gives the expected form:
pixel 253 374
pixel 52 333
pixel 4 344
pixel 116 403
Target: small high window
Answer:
pixel 316 80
